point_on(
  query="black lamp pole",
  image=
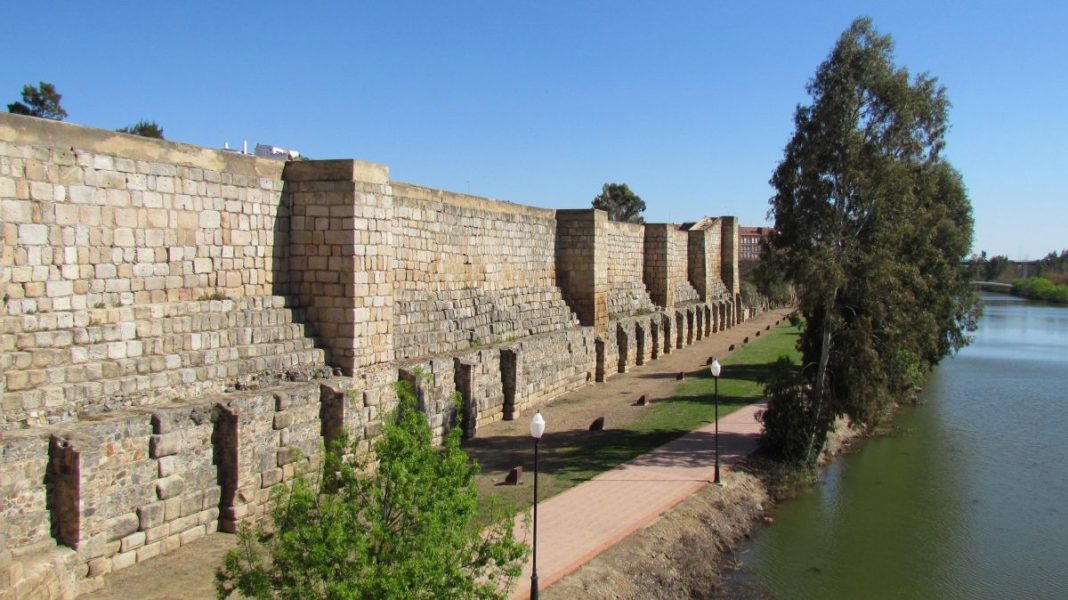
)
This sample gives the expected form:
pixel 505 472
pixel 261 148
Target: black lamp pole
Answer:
pixel 534 567
pixel 715 368
pixel 717 431
pixel 537 428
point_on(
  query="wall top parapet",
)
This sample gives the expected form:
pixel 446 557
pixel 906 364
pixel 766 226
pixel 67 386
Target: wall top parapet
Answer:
pixel 428 194
pixel 32 131
pixel 345 169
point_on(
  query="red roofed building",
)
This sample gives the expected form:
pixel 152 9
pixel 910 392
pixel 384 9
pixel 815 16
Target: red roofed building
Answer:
pixel 749 242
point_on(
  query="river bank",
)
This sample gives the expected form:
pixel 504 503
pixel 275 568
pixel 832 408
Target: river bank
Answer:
pixel 689 551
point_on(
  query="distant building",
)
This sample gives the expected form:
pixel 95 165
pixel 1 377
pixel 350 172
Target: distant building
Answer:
pixel 268 151
pixel 749 242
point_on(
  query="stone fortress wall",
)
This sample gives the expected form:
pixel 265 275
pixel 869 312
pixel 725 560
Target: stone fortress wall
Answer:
pixel 182 328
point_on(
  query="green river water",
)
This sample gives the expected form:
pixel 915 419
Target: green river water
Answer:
pixel 968 500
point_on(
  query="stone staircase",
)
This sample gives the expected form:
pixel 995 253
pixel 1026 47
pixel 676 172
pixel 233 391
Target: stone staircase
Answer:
pixel 64 364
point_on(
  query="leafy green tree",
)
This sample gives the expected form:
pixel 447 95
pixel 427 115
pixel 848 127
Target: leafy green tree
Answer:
pixel 871 225
pixel 143 128
pixel 403 527
pixel 620 202
pixel 41 101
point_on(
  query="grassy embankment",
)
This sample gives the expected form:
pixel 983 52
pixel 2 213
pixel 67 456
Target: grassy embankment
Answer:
pixel 567 461
pixel 1040 288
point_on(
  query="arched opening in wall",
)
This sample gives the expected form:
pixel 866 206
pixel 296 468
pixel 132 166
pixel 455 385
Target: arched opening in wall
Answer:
pixel 639 344
pixel 667 334
pixel 224 448
pixel 689 327
pixel 331 414
pixel 621 344
pixel 465 384
pixel 680 329
pixel 62 491
pixel 699 322
pixel 508 382
pixel 708 320
pixel 654 335
pixel 598 373
pixel 723 316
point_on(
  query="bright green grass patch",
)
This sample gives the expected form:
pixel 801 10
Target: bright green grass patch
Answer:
pixel 741 383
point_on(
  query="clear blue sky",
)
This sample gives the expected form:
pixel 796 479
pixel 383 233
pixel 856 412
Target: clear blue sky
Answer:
pixel 691 103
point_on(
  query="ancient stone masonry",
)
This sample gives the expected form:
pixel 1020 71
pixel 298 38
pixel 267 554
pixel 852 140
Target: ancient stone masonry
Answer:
pixel 182 328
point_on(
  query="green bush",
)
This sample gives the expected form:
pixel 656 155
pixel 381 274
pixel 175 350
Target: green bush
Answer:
pixel 791 417
pixel 1040 288
pixel 402 527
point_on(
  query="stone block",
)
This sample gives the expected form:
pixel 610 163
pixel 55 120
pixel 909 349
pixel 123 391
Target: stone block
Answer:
pixel 157 533
pixel 151 515
pixel 167 465
pixel 192 503
pixel 99 566
pixel 133 541
pixel 288 455
pixel 181 524
pixel 171 544
pixel 172 509
pixel 33 235
pixel 283 420
pixel 149 551
pixel 121 561
pixel 164 444
pixel 210 515
pixel 192 534
pixel 122 526
pixel 271 478
pixel 169 487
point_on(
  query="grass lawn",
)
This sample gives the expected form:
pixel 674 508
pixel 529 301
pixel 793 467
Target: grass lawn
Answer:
pixel 569 459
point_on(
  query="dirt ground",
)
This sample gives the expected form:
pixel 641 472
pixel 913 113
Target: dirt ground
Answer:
pixel 189 572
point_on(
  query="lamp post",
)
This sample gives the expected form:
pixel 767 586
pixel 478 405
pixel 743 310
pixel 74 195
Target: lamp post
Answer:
pixel 715 368
pixel 537 427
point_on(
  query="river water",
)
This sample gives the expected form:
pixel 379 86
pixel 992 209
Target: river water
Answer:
pixel 968 500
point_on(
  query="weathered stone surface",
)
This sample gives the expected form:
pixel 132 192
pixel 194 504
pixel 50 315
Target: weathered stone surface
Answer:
pixel 165 444
pixel 169 487
pixel 150 515
pixel 159 300
pixel 288 455
pixel 132 541
pixel 122 526
pixel 272 477
pixel 283 420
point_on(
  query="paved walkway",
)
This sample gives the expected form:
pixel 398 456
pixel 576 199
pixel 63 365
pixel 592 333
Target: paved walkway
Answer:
pixel 579 524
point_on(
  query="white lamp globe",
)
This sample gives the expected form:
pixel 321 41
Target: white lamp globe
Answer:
pixel 537 425
pixel 715 367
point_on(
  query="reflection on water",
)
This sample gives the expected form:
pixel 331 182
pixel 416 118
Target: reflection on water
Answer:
pixel 967 502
